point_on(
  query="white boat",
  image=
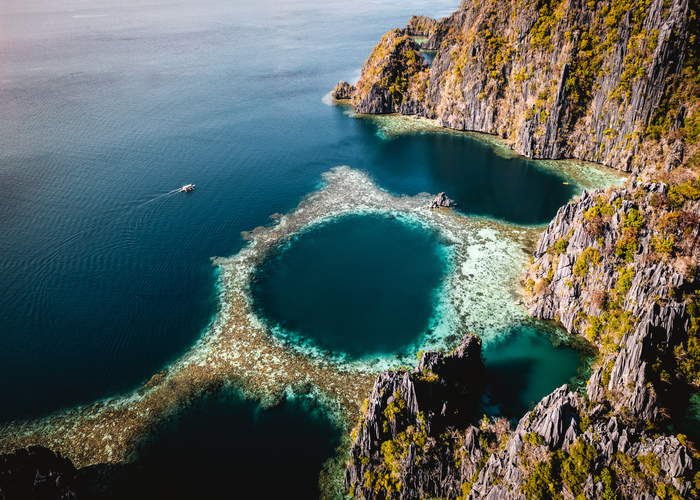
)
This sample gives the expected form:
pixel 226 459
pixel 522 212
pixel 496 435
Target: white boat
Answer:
pixel 187 188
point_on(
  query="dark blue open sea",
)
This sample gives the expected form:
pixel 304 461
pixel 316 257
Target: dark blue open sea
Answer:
pixel 105 272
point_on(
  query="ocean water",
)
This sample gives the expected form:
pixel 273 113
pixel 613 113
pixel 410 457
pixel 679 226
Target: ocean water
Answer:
pixel 105 272
pixel 106 108
pixel 224 447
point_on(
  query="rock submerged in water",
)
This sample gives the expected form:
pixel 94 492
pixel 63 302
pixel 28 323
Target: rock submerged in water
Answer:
pixel 37 472
pixel 343 91
pixel 441 201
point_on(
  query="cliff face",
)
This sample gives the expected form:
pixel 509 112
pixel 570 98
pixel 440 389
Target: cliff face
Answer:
pixel 404 446
pixel 607 81
pixel 620 267
pixel 394 77
pixel 413 443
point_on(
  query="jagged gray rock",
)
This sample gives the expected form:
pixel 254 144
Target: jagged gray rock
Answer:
pixel 494 73
pixel 441 201
pixel 557 419
pixel 343 91
pixel 416 408
pixel 571 299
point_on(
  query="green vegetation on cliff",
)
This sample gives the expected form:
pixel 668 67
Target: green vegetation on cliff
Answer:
pixel 611 81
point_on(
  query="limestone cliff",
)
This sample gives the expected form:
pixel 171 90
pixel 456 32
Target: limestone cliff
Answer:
pixel 404 446
pixel 620 267
pixel 412 443
pixel 609 81
pixel 394 77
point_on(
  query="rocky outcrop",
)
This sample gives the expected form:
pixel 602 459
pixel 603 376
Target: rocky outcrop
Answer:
pixel 343 91
pixel 394 78
pixel 420 26
pixel 603 81
pixel 401 446
pixel 412 443
pixel 619 270
pixel 37 473
pixel 441 201
pixel 564 447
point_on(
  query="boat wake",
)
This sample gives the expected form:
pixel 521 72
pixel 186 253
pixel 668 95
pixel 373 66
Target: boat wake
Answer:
pixel 159 197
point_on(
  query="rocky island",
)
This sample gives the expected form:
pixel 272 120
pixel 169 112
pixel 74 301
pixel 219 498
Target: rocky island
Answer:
pixel 613 82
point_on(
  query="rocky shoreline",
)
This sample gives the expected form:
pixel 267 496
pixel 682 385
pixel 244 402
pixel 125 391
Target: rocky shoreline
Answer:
pixel 600 82
pixel 603 83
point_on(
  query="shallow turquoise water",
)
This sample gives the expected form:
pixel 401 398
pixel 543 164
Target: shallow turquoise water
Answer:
pixel 523 367
pixel 361 284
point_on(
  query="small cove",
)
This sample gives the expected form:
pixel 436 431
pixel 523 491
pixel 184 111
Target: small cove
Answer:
pixel 470 171
pixel 523 366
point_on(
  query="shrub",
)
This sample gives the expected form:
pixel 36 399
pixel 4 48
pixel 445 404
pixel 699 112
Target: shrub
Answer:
pixel 578 466
pixel 589 256
pixel 595 326
pixel 560 246
pixel 651 465
pixel 608 488
pixel 599 298
pixel 533 438
pixel 581 266
pixel 543 481
pixel 683 439
pixel 601 208
pixel 396 407
pixel 594 227
pixel 669 223
pixel 632 219
pixel 624 281
pixel 627 246
pixel 691 128
pixel 662 245
pixel 658 200
pixel 681 192
pixel 550 275
pixel 688 355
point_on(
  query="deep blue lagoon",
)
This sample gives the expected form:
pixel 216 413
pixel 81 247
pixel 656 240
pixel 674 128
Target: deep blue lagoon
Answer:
pixel 361 284
pixel 105 275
